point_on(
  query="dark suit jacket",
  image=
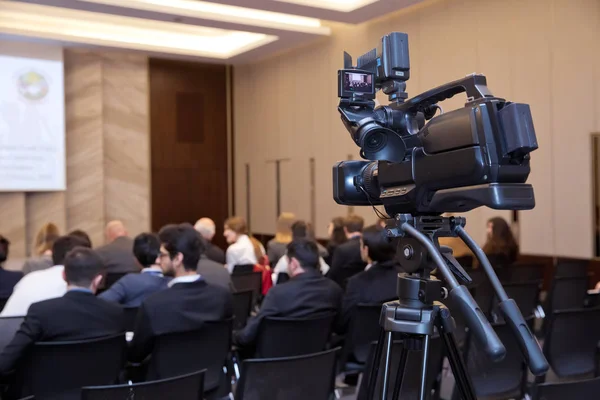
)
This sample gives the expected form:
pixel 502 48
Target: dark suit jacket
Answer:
pixel 214 273
pixel 8 280
pixel 132 289
pixel 303 296
pixel 346 262
pixel 183 307
pixel 373 286
pixel 215 253
pixel 75 316
pixel 118 256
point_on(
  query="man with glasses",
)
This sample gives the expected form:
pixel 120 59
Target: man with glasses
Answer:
pixel 133 288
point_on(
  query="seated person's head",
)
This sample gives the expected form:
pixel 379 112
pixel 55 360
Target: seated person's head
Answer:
pixel 82 235
pixel 376 246
pixel 63 245
pixel 303 255
pixel 146 249
pixel 299 230
pixel 184 246
pixel 234 228
pixel 83 268
pixel 4 245
pixel 353 224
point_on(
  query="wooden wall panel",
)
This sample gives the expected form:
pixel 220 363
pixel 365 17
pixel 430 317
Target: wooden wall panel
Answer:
pixel 43 207
pixel 12 215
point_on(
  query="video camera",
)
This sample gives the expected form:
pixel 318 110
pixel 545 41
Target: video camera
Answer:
pixel 422 163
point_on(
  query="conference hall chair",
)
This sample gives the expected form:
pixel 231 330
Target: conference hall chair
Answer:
pixel 412 372
pixel 248 281
pixel 571 343
pixel 525 294
pixel 567 293
pixel 309 376
pixel 182 353
pixel 286 337
pixel 58 370
pixel 505 379
pixel 577 390
pixel 8 327
pixel 364 328
pixel 519 273
pixel 184 387
pixel 130 317
pixel 242 306
pixel 571 268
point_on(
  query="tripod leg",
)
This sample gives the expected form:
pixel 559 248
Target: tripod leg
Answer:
pixel 423 390
pixel 386 369
pixel 375 367
pixel 463 381
pixel 400 373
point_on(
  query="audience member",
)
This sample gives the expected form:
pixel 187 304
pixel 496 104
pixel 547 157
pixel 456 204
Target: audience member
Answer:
pixel 82 235
pixel 206 227
pixel 8 279
pixel 213 272
pixel 301 230
pixel 77 315
pixel 307 293
pixel 117 254
pixel 189 301
pixel 44 284
pixel 133 288
pixel 42 249
pixel 347 260
pixel 377 284
pixel 242 250
pixel 337 236
pixel 500 247
pixel 283 236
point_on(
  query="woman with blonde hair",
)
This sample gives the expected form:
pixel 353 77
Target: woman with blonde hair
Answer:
pixel 277 246
pixel 42 248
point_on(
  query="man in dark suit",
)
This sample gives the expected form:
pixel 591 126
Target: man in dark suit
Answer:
pixel 378 283
pixel 78 315
pixel 306 294
pixel 347 261
pixel 8 279
pixel 117 254
pixel 206 227
pixel 132 289
pixel 214 273
pixel 188 303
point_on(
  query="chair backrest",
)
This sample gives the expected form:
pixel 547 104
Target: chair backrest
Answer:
pixel 483 291
pixel 286 337
pixel 412 372
pixel 8 327
pixel 181 353
pixel 248 281
pixel 518 273
pixel 506 377
pixel 526 295
pixel 242 268
pixel 364 329
pixel 567 293
pixel 571 267
pixel 465 261
pixel 62 368
pixel 583 389
pixel 130 317
pixel 184 387
pixel 242 306
pixel 310 376
pixel 571 340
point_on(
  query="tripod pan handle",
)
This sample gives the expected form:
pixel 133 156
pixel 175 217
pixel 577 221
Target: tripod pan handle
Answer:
pixel 478 323
pixel 529 345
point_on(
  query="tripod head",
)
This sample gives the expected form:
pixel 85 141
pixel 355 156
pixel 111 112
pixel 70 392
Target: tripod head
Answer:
pixel 420 254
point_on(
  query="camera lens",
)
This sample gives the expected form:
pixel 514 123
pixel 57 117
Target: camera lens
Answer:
pixel 375 141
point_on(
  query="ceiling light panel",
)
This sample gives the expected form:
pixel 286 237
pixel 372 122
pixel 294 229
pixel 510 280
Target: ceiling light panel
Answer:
pixel 125 32
pixel 336 5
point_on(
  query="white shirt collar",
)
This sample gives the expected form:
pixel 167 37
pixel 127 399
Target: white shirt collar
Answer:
pixel 152 271
pixel 184 279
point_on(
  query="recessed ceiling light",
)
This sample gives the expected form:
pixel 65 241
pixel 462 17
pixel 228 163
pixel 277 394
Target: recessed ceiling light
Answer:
pixel 224 13
pixel 336 5
pixel 125 32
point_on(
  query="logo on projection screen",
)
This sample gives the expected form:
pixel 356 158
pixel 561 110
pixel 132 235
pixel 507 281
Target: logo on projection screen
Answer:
pixel 32 85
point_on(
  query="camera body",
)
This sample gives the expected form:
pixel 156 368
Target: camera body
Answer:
pixel 422 163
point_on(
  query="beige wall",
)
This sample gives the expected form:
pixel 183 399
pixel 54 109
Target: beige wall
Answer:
pixel 543 52
pixel 107 150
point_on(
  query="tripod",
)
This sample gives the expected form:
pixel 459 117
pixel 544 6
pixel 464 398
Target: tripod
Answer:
pixel 418 310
